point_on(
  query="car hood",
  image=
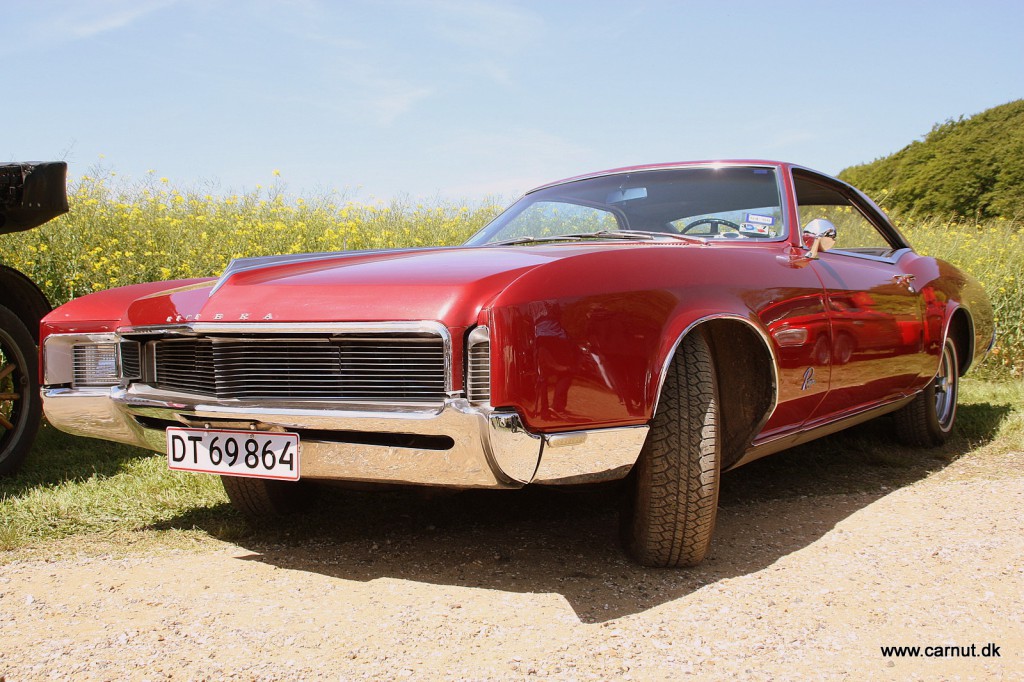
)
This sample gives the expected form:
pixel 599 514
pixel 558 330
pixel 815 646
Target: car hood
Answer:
pixel 450 285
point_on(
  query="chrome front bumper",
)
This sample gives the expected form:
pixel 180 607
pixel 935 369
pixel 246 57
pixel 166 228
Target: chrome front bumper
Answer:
pixel 487 448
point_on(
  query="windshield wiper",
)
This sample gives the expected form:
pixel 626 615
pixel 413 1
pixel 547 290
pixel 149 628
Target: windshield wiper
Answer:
pixel 533 240
pixel 649 236
pixel 600 234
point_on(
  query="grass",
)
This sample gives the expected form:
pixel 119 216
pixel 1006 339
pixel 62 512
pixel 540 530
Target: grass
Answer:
pixel 75 486
pixel 81 495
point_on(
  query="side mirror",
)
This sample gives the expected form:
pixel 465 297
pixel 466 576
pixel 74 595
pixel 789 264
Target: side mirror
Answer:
pixel 819 235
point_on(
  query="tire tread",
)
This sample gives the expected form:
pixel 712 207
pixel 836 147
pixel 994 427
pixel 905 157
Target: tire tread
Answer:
pixel 261 500
pixel 671 517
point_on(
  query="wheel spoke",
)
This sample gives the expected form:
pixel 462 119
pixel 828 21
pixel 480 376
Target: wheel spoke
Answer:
pixel 9 396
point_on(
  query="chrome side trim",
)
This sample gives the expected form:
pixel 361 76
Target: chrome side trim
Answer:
pixel 819 429
pixel 729 316
pixel 968 361
pixel 891 259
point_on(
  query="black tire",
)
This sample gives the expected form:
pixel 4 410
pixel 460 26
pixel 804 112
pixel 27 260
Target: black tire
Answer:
pixel 929 419
pixel 20 402
pixel 262 500
pixel 670 515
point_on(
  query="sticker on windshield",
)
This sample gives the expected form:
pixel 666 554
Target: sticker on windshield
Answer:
pixel 760 219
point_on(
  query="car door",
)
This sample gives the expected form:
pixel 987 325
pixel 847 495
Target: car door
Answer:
pixel 875 310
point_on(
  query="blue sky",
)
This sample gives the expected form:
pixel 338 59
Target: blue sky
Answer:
pixel 463 99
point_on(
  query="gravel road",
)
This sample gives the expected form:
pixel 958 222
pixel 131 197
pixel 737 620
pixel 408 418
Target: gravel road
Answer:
pixel 813 570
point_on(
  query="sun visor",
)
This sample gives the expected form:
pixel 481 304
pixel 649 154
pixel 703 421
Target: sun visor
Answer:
pixel 31 194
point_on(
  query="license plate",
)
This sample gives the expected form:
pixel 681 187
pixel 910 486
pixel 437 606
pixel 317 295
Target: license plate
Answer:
pixel 258 454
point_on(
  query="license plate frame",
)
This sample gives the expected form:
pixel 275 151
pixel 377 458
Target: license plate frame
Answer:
pixel 273 455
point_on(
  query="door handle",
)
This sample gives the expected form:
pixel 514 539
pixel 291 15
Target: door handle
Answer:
pixel 905 279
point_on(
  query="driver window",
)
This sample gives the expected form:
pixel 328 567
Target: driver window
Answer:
pixel 856 234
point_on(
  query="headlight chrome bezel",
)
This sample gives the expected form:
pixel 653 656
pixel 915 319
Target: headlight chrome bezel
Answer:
pixel 82 360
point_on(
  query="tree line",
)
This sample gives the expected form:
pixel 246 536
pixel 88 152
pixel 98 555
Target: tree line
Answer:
pixel 971 168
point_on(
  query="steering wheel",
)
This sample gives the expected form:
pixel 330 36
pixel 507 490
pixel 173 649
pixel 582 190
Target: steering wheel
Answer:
pixel 716 224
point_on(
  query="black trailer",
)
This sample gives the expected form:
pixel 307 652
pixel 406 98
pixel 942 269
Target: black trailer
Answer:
pixel 30 195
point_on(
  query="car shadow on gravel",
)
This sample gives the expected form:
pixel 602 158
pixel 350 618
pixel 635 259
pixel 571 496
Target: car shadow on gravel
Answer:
pixel 539 540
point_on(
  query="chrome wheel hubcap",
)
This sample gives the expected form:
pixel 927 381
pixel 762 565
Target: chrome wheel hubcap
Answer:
pixel 945 389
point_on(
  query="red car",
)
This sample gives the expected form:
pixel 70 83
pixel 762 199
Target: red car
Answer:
pixel 659 324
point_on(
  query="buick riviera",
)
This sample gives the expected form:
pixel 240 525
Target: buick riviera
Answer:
pixel 654 325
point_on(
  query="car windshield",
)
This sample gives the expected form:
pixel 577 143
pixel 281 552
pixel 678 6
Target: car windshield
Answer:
pixel 703 202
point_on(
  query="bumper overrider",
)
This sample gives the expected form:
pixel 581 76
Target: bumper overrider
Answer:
pixel 455 444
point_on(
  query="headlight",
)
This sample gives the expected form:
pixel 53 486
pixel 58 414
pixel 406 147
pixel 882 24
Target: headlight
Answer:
pixel 80 360
pixel 95 364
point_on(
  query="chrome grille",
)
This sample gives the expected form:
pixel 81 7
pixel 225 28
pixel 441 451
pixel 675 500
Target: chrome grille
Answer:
pixel 478 367
pixel 131 359
pixel 185 365
pixel 364 368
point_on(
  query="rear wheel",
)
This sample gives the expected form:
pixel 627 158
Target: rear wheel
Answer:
pixel 928 421
pixel 670 515
pixel 260 499
pixel 20 403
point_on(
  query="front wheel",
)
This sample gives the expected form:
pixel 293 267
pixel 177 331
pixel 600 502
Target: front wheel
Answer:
pixel 928 420
pixel 261 500
pixel 20 403
pixel 670 515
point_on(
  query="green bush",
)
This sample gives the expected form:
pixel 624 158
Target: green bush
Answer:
pixel 969 167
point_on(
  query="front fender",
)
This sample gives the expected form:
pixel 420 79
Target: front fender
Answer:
pixel 106 310
pixel 584 342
